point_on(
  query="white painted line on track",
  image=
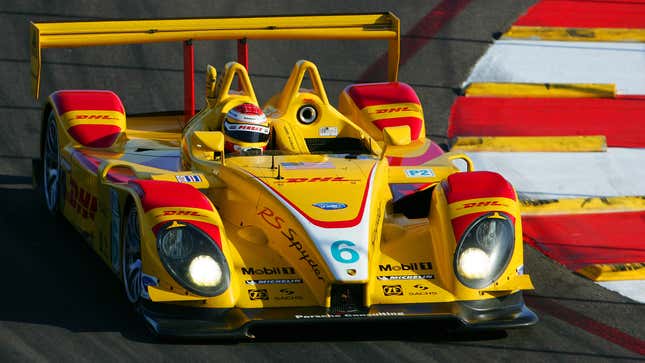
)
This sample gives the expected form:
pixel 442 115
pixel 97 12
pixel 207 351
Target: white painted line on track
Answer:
pixel 557 175
pixel 523 61
pixel 633 289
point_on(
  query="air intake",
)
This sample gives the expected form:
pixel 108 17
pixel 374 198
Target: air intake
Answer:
pixel 347 298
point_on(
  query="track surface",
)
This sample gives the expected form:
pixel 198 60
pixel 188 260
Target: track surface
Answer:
pixel 59 302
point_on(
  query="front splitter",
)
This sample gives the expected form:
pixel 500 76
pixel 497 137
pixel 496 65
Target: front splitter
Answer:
pixel 235 323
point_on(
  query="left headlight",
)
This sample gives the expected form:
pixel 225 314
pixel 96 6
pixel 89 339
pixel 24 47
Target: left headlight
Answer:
pixel 485 250
pixel 193 259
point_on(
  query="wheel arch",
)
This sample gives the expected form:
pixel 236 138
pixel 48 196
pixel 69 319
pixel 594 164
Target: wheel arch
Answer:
pixel 158 204
pixel 47 110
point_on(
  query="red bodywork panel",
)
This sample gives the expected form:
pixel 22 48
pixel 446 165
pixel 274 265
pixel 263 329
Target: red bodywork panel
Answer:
pixel 473 185
pixel 477 184
pixel 433 151
pixel 71 100
pixel 388 93
pixel 158 194
pixel 97 133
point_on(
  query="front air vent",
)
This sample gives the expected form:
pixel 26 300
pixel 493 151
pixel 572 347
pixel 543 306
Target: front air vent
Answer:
pixel 347 298
pixel 415 205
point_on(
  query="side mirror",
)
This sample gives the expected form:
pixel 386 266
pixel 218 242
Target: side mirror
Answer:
pixel 205 144
pixel 397 135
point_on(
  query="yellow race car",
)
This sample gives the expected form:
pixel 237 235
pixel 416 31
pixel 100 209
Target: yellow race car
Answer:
pixel 291 210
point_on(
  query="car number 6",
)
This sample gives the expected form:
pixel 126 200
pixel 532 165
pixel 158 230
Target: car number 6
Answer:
pixel 346 254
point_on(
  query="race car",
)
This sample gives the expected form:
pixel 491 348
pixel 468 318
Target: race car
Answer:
pixel 291 210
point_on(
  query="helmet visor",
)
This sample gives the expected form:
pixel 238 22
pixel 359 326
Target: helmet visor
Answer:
pixel 247 132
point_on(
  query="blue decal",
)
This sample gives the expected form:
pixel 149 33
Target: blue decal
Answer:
pixel 188 178
pixel 344 255
pixel 330 205
pixel 147 280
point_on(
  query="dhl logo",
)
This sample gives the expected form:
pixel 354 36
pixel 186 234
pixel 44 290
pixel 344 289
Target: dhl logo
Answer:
pixel 319 179
pixel 82 116
pixel 491 203
pixel 391 110
pixel 187 213
pixel 82 201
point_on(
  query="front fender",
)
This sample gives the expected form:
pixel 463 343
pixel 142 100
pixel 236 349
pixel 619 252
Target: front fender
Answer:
pixel 163 202
pixel 459 201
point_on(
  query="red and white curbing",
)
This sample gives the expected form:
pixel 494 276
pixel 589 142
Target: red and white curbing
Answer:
pixel 596 43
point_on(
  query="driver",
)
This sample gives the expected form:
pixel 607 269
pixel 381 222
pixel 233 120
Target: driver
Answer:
pixel 246 130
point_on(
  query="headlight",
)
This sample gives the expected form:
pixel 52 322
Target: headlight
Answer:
pixel 473 263
pixel 193 259
pixel 174 246
pixel 204 271
pixel 485 250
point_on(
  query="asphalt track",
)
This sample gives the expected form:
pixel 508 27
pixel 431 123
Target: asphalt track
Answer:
pixel 60 303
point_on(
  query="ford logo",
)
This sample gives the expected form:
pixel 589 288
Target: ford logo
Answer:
pixel 330 205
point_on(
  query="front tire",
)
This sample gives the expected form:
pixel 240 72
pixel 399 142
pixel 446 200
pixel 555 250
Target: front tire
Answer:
pixel 131 265
pixel 51 182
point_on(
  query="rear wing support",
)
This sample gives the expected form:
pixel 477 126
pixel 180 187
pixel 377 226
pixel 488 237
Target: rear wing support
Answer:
pixel 189 80
pixel 379 26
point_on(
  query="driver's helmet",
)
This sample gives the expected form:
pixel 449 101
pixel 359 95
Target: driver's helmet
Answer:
pixel 246 130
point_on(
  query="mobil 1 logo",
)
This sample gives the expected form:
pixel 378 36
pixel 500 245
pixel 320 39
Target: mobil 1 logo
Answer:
pixel 275 270
pixel 412 266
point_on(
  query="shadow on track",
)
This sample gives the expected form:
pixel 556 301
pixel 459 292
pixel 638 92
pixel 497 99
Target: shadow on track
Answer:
pixel 52 277
pixel 434 331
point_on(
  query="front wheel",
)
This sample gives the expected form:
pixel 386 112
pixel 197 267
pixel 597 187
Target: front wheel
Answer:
pixel 131 264
pixel 51 165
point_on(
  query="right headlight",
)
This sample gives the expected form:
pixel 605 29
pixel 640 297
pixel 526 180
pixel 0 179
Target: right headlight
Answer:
pixel 193 259
pixel 484 250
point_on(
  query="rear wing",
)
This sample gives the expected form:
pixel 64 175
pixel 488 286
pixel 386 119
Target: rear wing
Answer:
pixel 380 26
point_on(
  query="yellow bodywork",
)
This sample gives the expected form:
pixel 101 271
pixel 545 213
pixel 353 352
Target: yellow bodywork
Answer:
pixel 294 221
pixel 384 26
pixel 258 227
